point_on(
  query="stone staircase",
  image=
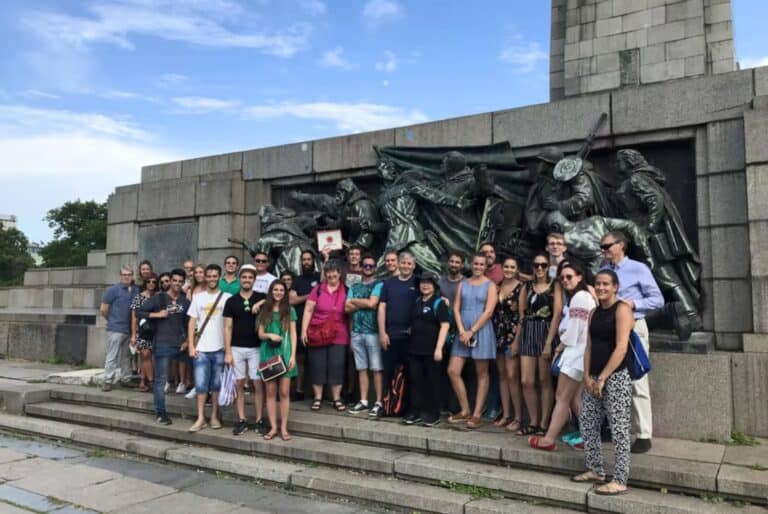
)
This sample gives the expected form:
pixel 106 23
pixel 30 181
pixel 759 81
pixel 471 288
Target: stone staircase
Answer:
pixel 442 469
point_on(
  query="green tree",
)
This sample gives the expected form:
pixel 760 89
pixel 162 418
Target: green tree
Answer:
pixel 14 258
pixel 78 227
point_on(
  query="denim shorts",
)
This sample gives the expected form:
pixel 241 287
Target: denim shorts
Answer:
pixel 243 356
pixel 367 351
pixel 208 368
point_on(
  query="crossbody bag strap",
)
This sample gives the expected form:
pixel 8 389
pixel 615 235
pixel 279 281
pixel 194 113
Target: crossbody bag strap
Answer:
pixel 208 318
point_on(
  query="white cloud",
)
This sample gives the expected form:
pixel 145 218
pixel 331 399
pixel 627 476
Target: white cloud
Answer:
pixel 348 117
pixel 198 22
pixel 335 59
pixel 523 57
pixel 379 11
pixel 17 120
pixel 314 7
pixel 753 62
pixel 32 93
pixel 53 156
pixel 201 104
pixel 168 79
pixel 389 64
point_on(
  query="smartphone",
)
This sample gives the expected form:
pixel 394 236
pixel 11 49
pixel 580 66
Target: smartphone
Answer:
pixel 472 342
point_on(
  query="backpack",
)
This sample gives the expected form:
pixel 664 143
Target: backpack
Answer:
pixel 451 325
pixel 394 400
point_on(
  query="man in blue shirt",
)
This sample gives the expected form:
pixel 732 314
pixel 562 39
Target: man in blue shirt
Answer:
pixel 396 305
pixel 116 309
pixel 638 289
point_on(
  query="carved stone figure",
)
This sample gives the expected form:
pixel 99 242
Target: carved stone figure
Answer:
pixel 642 197
pixel 350 209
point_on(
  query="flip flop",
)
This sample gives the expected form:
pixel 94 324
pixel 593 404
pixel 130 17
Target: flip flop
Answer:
pixel 458 418
pixel 474 422
pixel 588 476
pixel 610 489
pixel 501 421
pixel 269 436
pixel 286 436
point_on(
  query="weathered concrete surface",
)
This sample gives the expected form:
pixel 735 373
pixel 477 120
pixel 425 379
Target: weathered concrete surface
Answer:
pixel 350 152
pixel 220 194
pixel 278 161
pixel 167 199
pixel 750 381
pixel 123 238
pixel 565 120
pixel 697 408
pixel 381 490
pixel 14 395
pixel 123 204
pixel 741 481
pixel 638 500
pixel 213 164
pixel 240 465
pixel 467 130
pixel 98 258
pixel 165 171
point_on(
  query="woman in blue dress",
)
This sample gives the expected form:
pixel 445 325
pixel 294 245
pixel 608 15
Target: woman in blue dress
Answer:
pixel 473 307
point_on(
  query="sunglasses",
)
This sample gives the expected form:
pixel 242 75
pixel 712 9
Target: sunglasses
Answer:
pixel 607 246
pixel 260 261
pixel 566 277
pixel 540 265
pixel 369 266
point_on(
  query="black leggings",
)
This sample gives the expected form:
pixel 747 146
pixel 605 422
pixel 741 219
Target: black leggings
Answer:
pixel 424 384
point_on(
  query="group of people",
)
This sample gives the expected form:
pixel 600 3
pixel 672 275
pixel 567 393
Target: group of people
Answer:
pixel 347 326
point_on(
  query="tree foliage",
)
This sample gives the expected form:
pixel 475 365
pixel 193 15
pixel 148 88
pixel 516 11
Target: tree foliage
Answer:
pixel 14 258
pixel 78 227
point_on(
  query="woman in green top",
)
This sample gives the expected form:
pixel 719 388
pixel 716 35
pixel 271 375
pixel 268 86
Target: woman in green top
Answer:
pixel 277 331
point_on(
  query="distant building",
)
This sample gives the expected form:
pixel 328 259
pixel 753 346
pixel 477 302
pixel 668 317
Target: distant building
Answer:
pixel 34 250
pixel 7 221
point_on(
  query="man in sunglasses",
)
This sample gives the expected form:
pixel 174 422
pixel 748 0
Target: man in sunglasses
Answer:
pixel 362 302
pixel 263 278
pixel 241 345
pixel 116 309
pixel 638 289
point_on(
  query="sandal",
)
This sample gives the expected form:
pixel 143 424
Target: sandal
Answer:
pixel 501 421
pixel 339 405
pixel 285 436
pixel 269 436
pixel 529 430
pixel 316 404
pixel 588 476
pixel 143 388
pixel 513 426
pixel 535 442
pixel 474 422
pixel 458 418
pixel 541 430
pixel 611 489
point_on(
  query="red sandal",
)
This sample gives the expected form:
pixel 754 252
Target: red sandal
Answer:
pixel 533 442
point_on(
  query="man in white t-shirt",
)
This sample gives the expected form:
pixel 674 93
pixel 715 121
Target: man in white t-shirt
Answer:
pixel 207 348
pixel 264 278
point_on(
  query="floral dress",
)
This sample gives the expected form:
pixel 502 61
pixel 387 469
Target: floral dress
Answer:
pixel 138 301
pixel 506 319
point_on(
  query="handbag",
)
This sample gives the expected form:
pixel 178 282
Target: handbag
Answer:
pixel 323 334
pixel 556 364
pixel 638 362
pixel 272 368
pixel 199 333
pixel 146 327
pixel 228 391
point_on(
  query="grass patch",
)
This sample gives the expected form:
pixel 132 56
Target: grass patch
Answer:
pixel 741 439
pixel 54 360
pixel 476 492
pixel 712 498
pixel 757 467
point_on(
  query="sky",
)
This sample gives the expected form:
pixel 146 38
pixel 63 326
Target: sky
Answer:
pixel 92 90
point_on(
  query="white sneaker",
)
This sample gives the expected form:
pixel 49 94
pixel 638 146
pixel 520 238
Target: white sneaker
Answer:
pixel 182 388
pixel 191 395
pixel 167 387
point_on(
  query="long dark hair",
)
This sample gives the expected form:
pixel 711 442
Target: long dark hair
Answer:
pixel 577 270
pixel 284 307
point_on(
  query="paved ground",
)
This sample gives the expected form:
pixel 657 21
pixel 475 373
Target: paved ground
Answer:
pixel 40 476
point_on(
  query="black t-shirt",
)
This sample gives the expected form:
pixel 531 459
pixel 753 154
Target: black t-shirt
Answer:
pixel 303 285
pixel 399 295
pixel 243 320
pixel 425 325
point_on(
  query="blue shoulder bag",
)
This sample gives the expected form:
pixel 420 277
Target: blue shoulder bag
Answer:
pixel 638 362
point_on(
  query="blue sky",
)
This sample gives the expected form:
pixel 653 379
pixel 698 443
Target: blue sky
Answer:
pixel 92 90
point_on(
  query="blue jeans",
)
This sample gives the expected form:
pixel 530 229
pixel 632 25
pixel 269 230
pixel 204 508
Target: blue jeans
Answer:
pixel 162 357
pixel 208 368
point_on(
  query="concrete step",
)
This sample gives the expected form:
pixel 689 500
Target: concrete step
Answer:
pixel 387 491
pixel 408 465
pixel 682 466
